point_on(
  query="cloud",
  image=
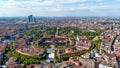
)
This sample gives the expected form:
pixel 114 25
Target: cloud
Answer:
pixel 58 7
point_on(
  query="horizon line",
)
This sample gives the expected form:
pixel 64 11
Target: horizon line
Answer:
pixel 53 16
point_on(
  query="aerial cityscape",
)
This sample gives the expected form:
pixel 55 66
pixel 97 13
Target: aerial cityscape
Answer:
pixel 59 34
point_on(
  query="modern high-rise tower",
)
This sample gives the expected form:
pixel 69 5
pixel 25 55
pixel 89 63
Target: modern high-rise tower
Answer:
pixel 31 19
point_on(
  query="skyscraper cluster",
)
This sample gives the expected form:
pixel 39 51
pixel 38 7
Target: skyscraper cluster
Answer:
pixel 31 19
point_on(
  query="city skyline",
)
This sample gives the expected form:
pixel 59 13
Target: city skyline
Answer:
pixel 11 8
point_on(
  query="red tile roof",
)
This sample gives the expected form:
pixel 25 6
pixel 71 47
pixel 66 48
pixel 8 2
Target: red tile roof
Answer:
pixel 3 46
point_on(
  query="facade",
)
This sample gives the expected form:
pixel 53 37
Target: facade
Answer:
pixel 31 51
pixel 89 63
pixel 40 66
pixel 69 50
pixel 104 66
pixel 2 50
pixel 49 40
pixel 82 42
pixel 31 19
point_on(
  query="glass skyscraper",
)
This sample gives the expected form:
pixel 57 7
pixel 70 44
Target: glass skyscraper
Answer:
pixel 31 19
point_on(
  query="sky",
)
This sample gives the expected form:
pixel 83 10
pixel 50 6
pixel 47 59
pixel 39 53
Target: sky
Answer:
pixel 11 8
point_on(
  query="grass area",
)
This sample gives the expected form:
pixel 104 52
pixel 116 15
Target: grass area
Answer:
pixel 25 59
pixel 90 35
pixel 97 44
